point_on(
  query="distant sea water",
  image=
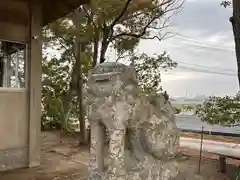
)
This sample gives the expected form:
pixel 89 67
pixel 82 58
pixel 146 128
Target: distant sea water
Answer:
pixel 187 102
pixel 189 121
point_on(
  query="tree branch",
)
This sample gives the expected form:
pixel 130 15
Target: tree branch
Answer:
pixel 89 16
pixel 121 14
pixel 168 4
pixel 105 42
pixel 162 37
pixel 108 32
pixel 122 56
pixel 95 50
pixel 111 31
pixel 143 31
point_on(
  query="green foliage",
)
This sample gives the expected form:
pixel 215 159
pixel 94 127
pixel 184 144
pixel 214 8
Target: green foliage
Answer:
pixel 55 80
pixel 118 24
pixel 221 110
pixel 176 110
pixel 188 108
pixel 226 3
pixel 197 108
pixel 149 70
pixel 121 24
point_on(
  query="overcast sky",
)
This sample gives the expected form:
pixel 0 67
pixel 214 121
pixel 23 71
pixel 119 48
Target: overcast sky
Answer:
pixel 205 39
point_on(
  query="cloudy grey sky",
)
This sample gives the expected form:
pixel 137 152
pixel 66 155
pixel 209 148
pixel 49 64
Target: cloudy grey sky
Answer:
pixel 205 39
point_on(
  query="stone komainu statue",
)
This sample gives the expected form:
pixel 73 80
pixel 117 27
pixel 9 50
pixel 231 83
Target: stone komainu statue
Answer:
pixel 142 131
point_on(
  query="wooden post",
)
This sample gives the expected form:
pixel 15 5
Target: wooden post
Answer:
pixel 222 160
pixel 34 71
pixel 200 158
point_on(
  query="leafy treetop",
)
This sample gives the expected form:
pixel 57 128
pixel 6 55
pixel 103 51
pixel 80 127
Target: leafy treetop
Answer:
pixel 221 110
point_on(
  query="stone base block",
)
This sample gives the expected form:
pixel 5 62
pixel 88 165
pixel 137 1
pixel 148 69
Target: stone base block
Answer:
pixel 13 158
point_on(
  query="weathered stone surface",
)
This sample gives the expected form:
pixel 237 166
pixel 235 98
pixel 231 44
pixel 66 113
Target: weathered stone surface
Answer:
pixel 142 130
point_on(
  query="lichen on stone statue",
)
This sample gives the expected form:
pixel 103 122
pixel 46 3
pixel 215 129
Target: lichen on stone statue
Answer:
pixel 142 130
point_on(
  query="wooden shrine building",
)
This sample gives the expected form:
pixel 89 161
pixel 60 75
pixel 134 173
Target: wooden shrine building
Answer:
pixel 21 23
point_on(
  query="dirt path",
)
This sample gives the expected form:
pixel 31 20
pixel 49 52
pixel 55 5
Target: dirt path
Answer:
pixel 62 159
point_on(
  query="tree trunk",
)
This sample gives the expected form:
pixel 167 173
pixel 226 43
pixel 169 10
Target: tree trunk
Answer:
pixel 235 20
pixel 80 49
pixel 66 109
pixel 95 51
pixel 104 44
pixel 69 96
